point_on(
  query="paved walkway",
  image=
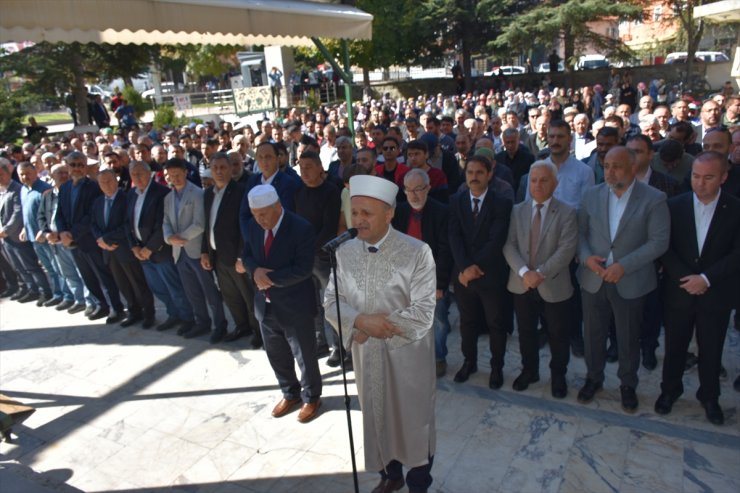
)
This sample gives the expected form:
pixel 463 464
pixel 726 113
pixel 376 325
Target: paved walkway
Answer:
pixel 141 411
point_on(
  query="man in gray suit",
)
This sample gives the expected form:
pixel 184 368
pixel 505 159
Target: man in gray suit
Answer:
pixel 542 241
pixel 623 227
pixel 183 226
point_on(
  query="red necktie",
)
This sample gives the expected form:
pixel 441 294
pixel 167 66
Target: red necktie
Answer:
pixel 414 228
pixel 268 242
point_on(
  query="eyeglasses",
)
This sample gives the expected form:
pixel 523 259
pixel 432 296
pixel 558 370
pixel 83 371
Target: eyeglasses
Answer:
pixel 416 190
pixel 390 148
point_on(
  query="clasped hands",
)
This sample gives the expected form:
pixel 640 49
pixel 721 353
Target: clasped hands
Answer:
pixel 471 273
pixel 374 325
pixel 612 274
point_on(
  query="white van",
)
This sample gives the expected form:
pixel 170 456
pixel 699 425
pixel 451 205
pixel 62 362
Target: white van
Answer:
pixel 586 62
pixel 706 56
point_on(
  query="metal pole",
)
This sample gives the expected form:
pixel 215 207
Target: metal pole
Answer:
pixel 333 258
pixel 348 88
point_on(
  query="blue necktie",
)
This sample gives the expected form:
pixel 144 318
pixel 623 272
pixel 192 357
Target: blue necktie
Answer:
pixel 108 205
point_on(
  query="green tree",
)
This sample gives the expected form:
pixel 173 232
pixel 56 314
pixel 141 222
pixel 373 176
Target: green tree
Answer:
pixel 201 60
pixel 12 104
pixel 51 69
pixel 568 20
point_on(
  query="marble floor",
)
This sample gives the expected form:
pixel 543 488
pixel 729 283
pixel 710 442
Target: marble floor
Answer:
pixel 129 410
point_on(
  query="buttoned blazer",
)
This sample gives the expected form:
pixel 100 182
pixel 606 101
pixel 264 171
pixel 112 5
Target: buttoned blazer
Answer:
pixel 78 220
pixel 480 242
pixel 291 259
pixel 642 236
pixel 555 250
pixel 229 240
pixel 150 222
pixel 719 259
pixel 114 231
pixel 188 222
pixel 10 211
pixel 434 232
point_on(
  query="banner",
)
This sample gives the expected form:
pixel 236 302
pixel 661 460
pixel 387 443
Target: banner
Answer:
pixel 251 99
pixel 182 102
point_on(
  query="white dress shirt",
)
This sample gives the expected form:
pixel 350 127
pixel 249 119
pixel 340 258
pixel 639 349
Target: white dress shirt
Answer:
pixel 217 196
pixel 138 206
pixel 617 205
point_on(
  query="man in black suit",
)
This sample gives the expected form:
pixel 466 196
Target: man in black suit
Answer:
pixel 701 267
pixel 514 155
pixel 427 220
pixel 222 245
pixel 109 230
pixel 279 254
pixel 144 218
pixel 479 223
pixel 73 220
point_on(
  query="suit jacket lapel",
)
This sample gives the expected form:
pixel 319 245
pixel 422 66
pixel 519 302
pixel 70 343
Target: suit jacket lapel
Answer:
pixel 484 206
pixel 714 224
pixel 552 213
pixel 603 204
pixel 630 208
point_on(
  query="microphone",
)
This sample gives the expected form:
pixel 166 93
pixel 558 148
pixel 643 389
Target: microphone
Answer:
pixel 332 245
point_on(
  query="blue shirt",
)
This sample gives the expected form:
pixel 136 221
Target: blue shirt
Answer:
pixel 574 178
pixel 30 202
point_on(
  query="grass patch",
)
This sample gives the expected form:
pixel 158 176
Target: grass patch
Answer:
pixel 53 117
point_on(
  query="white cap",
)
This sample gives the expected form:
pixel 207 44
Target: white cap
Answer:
pixel 92 162
pixel 374 187
pixel 262 196
pixel 46 155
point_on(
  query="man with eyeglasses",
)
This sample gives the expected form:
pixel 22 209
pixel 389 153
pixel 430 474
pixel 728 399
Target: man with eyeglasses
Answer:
pixel 73 220
pixel 391 169
pixel 417 157
pixel 426 219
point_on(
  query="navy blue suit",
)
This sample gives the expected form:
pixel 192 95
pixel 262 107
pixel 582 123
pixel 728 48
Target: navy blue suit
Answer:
pixel 160 272
pixel 77 219
pixel 286 187
pixel 485 301
pixel 125 268
pixel 286 320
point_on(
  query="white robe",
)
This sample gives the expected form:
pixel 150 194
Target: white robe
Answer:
pixel 395 377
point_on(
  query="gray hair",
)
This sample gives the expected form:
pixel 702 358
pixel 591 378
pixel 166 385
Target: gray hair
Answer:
pixel 343 140
pixel 108 171
pixel 547 165
pixel 511 132
pixel 75 155
pixel 136 164
pixel 6 165
pixel 416 172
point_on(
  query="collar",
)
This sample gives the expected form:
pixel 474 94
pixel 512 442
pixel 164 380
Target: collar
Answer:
pixel 379 243
pixel 699 203
pixel 140 193
pixel 545 204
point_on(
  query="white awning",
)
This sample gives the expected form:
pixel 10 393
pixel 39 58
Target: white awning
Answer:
pixel 722 12
pixel 240 22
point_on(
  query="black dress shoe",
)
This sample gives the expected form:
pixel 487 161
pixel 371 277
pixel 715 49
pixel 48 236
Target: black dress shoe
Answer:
pixel 148 323
pixel 8 292
pixel 90 310
pixel 98 314
pixel 664 404
pixel 523 380
pixel 714 412
pixel 196 332
pixel 256 340
pixel 736 384
pixel 612 355
pixel 576 348
pixel 28 297
pixel 217 335
pixel 42 300
pixel 496 380
pixel 559 387
pixel 236 334
pixel 185 327
pixel 389 485
pixel 64 305
pixel 76 308
pixel 130 320
pixel 649 361
pixel 53 302
pixel 168 324
pixel 691 361
pixel 629 398
pixel 115 318
pixel 334 359
pixel 18 294
pixel 468 368
pixel 588 391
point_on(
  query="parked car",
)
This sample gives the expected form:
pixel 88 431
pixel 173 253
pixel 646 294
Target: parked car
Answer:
pixel 701 56
pixel 544 68
pixel 587 62
pixel 506 70
pixel 104 93
pixel 167 88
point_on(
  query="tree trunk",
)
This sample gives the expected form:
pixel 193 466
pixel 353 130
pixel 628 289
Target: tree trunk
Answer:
pixel 83 117
pixel 568 51
pixel 467 66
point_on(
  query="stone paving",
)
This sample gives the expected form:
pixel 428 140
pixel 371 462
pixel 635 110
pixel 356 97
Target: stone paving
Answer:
pixel 130 410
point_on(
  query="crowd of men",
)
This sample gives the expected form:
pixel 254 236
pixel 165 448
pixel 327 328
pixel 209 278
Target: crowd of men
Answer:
pixel 593 225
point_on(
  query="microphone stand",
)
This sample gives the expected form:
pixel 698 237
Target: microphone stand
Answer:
pixel 333 259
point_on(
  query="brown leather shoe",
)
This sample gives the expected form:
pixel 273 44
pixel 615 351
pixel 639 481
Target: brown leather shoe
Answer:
pixel 284 407
pixel 389 485
pixel 308 411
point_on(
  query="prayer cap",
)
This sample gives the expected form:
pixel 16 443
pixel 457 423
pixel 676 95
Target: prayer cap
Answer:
pixel 374 187
pixel 262 196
